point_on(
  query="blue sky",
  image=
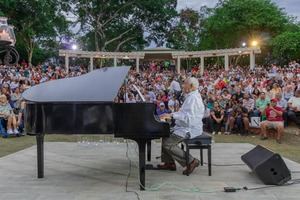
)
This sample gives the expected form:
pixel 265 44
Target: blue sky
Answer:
pixel 292 7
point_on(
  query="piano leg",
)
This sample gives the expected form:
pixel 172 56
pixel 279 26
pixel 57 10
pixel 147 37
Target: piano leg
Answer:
pixel 149 151
pixel 142 162
pixel 40 155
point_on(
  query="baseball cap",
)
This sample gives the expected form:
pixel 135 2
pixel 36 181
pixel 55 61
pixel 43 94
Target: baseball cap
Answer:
pixel 274 100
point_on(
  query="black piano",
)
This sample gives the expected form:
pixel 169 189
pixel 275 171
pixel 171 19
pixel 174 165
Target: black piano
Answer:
pixel 85 105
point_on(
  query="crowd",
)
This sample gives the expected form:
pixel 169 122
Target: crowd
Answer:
pixel 235 100
pixel 13 81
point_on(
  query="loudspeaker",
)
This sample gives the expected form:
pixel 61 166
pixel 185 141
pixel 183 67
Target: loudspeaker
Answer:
pixel 268 166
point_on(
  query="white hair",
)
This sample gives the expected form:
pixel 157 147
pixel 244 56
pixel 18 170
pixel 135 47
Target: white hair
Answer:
pixel 194 82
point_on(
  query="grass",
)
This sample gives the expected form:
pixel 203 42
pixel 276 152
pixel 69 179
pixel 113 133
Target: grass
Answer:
pixel 289 148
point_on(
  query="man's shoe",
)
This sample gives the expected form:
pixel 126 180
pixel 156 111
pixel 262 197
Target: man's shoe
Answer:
pixel 191 167
pixel 167 166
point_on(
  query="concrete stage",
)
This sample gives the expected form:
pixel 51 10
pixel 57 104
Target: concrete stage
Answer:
pixel 80 171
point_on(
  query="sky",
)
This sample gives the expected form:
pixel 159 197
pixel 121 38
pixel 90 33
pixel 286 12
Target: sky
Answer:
pixel 292 7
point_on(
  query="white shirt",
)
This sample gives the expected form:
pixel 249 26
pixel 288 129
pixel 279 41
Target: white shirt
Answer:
pixel 175 86
pixel 295 101
pixel 189 118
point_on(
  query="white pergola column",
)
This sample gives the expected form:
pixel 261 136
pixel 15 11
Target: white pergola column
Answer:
pixel 115 61
pixel 67 63
pixel 226 62
pixel 91 64
pixel 137 64
pixel 178 65
pixel 252 60
pixel 202 65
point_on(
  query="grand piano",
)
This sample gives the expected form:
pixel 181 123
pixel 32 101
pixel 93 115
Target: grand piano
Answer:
pixel 85 105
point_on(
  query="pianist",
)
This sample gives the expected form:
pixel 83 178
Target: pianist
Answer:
pixel 188 123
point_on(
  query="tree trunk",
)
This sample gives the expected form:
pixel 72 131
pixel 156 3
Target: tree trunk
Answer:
pixel 30 48
pixel 30 53
pixel 96 41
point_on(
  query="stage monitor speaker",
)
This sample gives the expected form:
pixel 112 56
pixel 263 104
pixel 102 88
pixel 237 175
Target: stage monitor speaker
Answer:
pixel 268 166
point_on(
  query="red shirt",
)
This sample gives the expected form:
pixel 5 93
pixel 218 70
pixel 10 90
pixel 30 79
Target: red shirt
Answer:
pixel 272 115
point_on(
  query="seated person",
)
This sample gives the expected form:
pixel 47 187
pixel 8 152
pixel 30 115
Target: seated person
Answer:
pixel 282 103
pixel 20 117
pixel 6 112
pixel 173 104
pixel 188 123
pixel 239 116
pixel 262 102
pixel 162 109
pixel 294 108
pixel 274 121
pixel 217 117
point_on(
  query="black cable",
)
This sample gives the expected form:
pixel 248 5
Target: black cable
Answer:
pixel 129 173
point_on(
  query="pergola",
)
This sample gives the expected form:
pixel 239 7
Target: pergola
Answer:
pixel 161 54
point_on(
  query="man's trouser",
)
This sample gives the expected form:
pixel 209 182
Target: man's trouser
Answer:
pixel 171 151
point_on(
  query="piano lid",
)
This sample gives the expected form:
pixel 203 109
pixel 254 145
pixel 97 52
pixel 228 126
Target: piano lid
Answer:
pixel 100 85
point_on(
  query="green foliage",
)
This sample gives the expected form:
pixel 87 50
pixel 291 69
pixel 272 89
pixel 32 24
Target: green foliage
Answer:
pixel 36 22
pixel 120 25
pixel 286 46
pixel 234 21
pixel 186 34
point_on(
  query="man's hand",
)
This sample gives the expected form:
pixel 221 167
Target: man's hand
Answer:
pixel 165 117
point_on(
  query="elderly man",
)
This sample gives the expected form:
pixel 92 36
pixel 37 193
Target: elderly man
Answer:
pixel 188 123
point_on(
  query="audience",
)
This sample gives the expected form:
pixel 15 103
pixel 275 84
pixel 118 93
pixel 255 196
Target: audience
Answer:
pixel 231 97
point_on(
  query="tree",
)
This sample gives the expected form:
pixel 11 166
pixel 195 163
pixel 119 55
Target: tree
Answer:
pixel 186 34
pixel 286 46
pixel 36 22
pixel 122 24
pixel 234 21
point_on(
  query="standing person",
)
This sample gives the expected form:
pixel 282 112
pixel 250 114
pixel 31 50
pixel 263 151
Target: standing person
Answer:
pixel 188 124
pixel 175 88
pixel 274 121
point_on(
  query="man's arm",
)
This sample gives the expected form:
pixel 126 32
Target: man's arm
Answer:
pixel 278 112
pixel 186 111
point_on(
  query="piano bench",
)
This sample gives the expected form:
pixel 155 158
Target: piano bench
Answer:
pixel 201 142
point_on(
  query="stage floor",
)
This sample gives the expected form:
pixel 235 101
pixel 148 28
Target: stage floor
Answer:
pixel 81 171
